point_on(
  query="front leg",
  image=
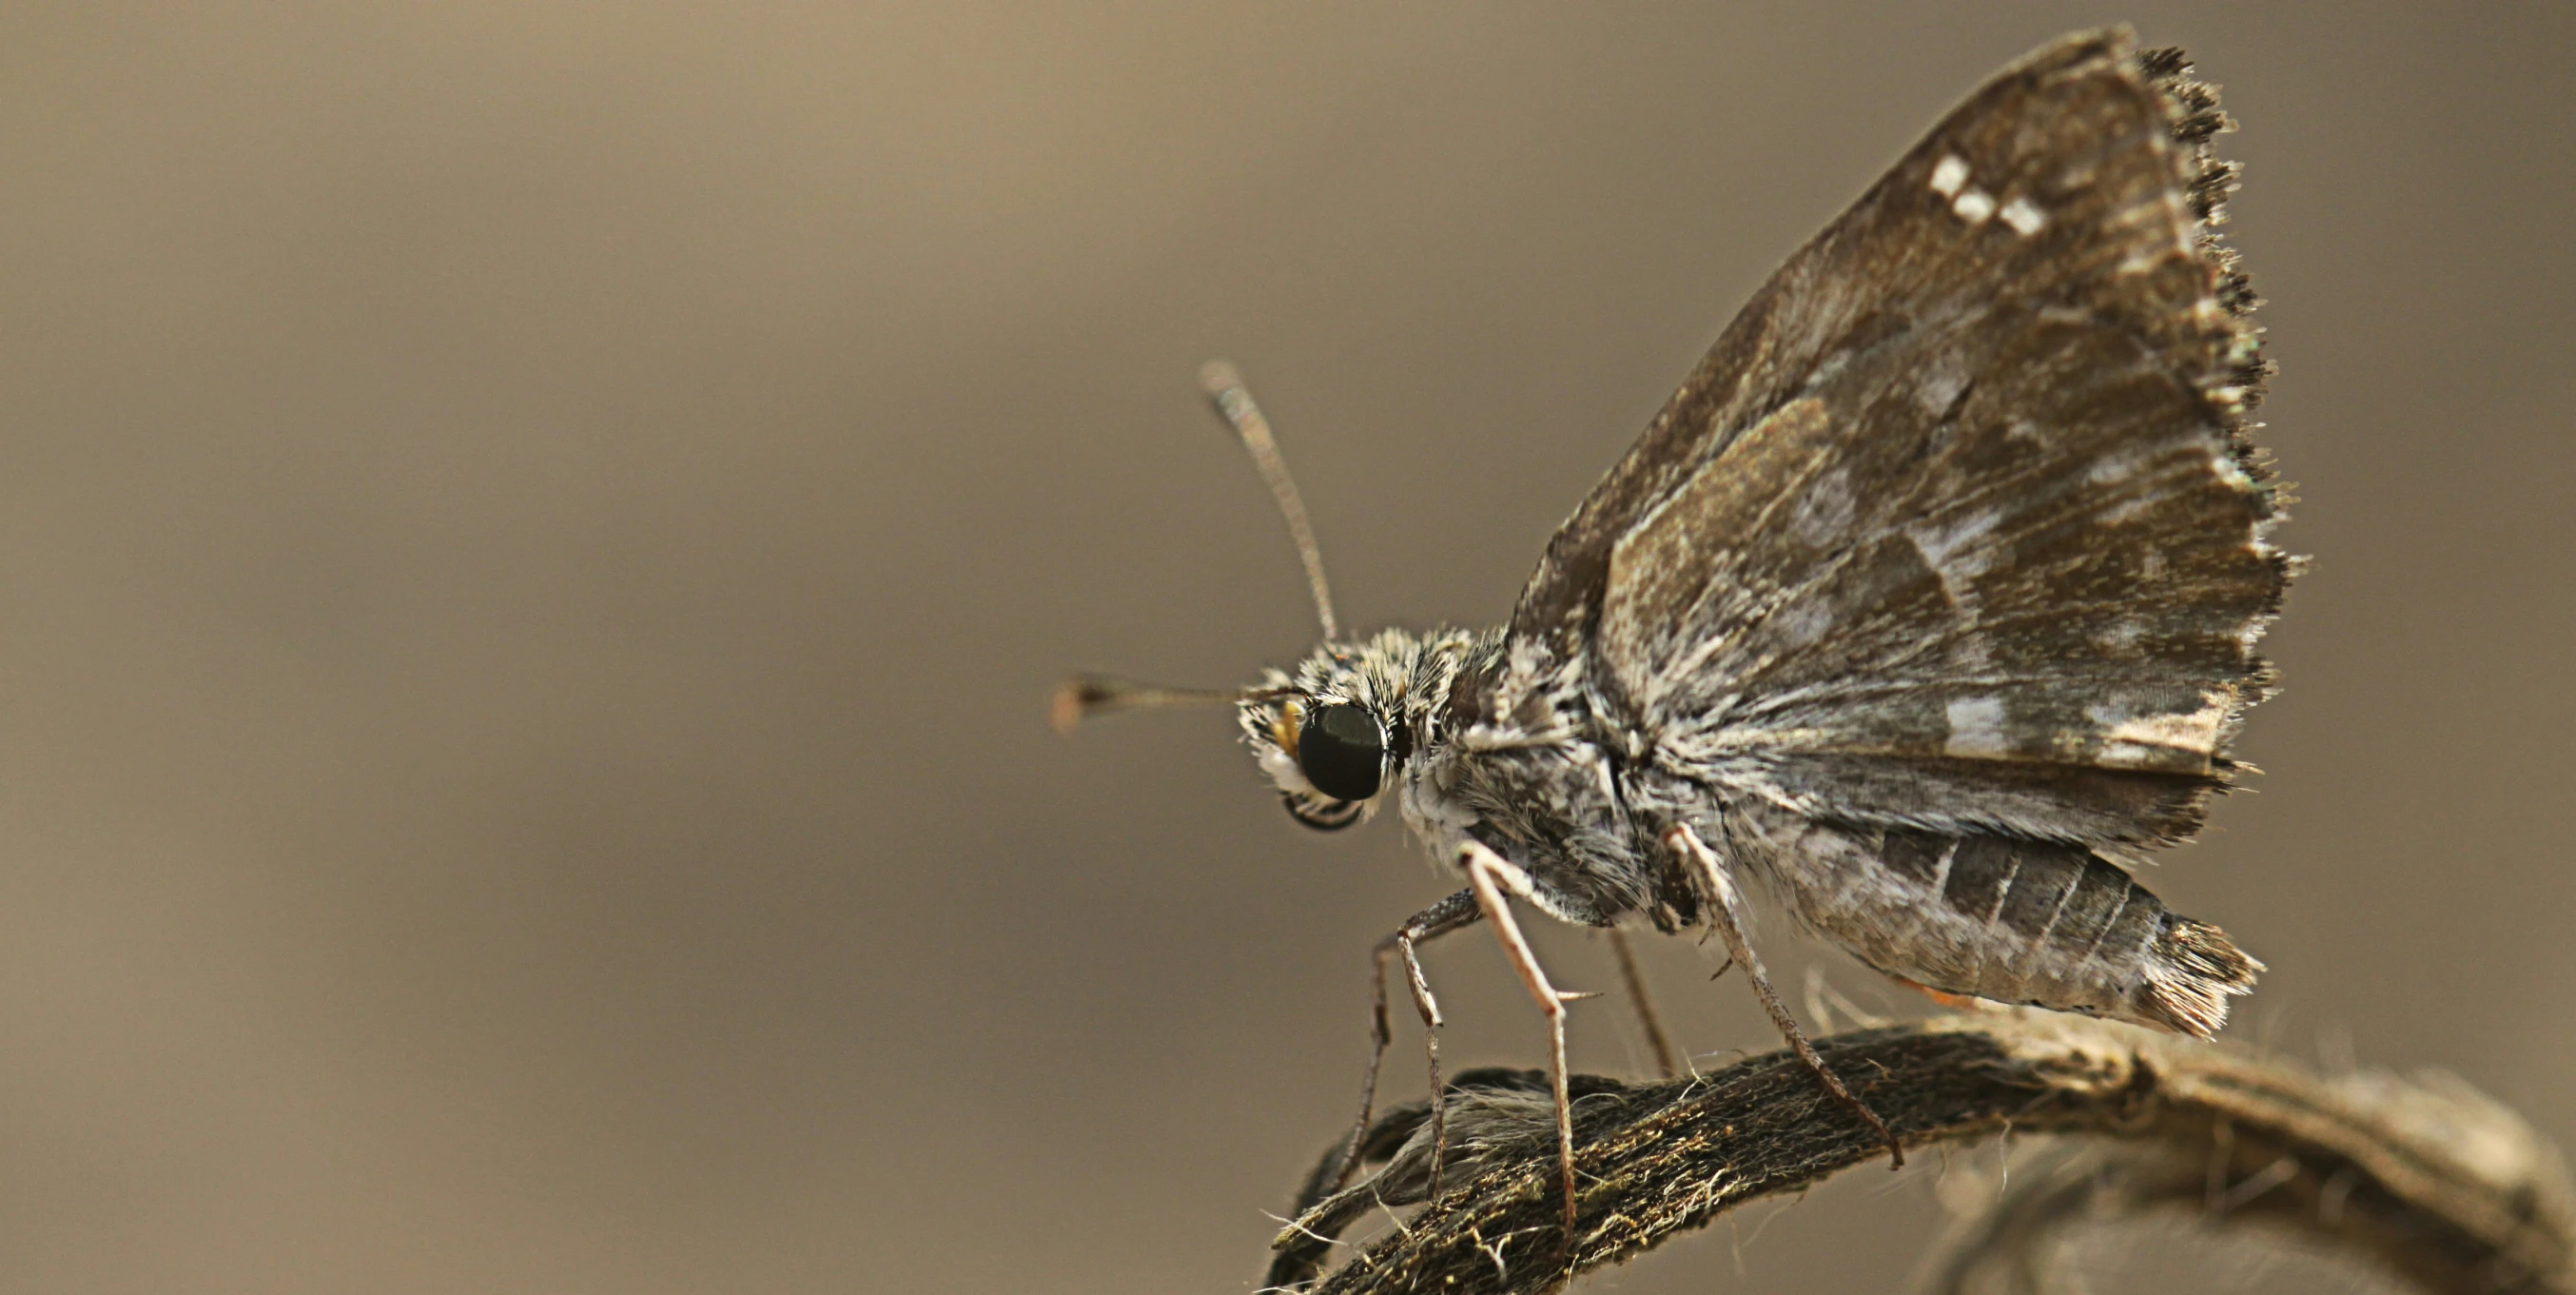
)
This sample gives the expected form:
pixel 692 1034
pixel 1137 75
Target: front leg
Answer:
pixel 1489 875
pixel 1448 915
pixel 1724 912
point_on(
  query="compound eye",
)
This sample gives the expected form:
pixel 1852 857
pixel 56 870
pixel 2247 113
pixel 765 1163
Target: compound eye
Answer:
pixel 1342 751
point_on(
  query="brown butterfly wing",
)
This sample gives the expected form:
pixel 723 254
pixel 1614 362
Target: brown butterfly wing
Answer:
pixel 1956 526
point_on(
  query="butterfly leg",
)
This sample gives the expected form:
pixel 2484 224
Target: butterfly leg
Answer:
pixel 1448 915
pixel 1630 976
pixel 1725 912
pixel 1489 875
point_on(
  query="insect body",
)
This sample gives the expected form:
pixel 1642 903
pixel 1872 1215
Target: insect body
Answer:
pixel 1927 605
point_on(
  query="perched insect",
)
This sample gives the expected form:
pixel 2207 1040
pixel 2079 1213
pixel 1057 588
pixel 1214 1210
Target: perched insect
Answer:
pixel 1928 604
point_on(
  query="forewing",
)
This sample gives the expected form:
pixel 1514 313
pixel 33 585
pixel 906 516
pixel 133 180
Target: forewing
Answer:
pixel 1956 527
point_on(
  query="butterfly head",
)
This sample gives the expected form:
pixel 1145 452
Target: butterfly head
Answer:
pixel 1334 737
pixel 1337 733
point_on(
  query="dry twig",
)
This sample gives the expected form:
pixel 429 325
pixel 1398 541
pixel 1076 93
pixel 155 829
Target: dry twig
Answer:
pixel 2429 1179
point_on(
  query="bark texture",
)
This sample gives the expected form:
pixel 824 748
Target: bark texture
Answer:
pixel 2425 1177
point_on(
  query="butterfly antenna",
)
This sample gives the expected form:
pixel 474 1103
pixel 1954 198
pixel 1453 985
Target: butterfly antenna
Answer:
pixel 1085 695
pixel 1225 387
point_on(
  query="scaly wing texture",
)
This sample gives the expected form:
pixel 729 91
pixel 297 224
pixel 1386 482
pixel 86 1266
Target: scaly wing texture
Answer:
pixel 1957 528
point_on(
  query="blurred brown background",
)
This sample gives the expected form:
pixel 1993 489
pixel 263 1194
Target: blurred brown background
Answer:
pixel 537 537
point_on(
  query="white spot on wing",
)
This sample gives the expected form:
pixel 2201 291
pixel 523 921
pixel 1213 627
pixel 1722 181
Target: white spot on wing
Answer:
pixel 1956 551
pixel 2126 476
pixel 2121 464
pixel 1824 513
pixel 2120 639
pixel 1801 625
pixel 2023 217
pixel 2128 510
pixel 1976 726
pixel 1935 390
pixel 2156 739
pixel 1949 175
pixel 1974 206
pixel 1828 368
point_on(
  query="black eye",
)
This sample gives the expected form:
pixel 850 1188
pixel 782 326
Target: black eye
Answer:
pixel 1342 752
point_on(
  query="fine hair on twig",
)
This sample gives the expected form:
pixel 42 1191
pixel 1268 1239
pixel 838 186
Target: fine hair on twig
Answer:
pixel 2424 1178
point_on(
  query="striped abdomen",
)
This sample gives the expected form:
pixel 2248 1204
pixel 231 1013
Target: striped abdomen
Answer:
pixel 2014 921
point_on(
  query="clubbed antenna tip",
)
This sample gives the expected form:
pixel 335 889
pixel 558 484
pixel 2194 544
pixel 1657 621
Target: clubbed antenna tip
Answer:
pixel 1224 385
pixel 1085 695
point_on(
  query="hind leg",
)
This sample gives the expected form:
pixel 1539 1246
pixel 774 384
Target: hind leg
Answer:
pixel 1725 913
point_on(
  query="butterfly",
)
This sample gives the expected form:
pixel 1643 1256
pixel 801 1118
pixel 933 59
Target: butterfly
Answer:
pixel 1926 607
